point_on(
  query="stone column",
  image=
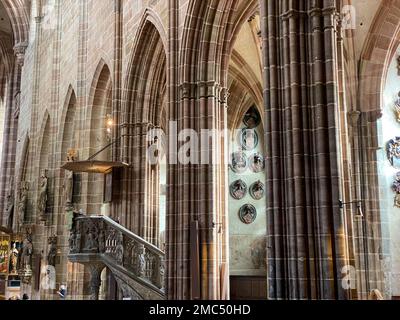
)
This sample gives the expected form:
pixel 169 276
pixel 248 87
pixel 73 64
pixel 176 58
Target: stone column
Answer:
pixel 12 105
pixel 306 240
pixel 95 270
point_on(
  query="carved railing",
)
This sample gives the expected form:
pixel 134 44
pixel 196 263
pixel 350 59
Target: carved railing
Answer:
pixel 95 238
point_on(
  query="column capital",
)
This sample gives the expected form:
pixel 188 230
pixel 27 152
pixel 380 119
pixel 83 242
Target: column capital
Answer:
pixel 19 51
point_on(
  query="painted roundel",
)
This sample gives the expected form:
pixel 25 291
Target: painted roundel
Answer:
pixel 248 214
pixel 257 190
pixel 239 162
pixel 252 118
pixel 257 162
pixel 249 139
pixel 238 189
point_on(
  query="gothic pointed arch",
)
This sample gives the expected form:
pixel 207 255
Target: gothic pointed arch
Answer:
pixel 68 126
pixel 18 11
pixel 98 137
pixel 99 107
pixel 144 109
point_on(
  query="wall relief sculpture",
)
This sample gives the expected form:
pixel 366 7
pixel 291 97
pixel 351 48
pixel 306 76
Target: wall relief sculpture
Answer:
pixel 257 190
pixel 238 189
pixel 257 163
pixel 252 118
pixel 43 197
pixel 393 152
pixel 248 139
pixel 91 243
pixel 239 162
pixel 396 189
pixel 248 214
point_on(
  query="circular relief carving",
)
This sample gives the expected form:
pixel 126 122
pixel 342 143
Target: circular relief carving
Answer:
pixel 257 190
pixel 239 162
pixel 393 152
pixel 257 163
pixel 238 189
pixel 248 139
pixel 248 214
pixel 252 118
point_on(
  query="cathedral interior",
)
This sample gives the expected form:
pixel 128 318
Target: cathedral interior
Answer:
pixel 200 149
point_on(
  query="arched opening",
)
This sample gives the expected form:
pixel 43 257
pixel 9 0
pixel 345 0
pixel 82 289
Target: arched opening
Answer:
pixel 376 128
pixel 99 137
pixel 44 197
pixel 247 178
pixel 69 186
pixel 6 112
pixel 388 179
pixel 145 127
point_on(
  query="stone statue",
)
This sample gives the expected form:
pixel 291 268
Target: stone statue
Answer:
pixel 27 252
pixel 68 189
pixel 10 210
pixel 22 203
pixel 72 241
pixel 139 261
pixel 51 256
pixel 42 200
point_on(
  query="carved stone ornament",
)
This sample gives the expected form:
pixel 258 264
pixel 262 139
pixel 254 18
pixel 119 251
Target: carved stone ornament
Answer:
pixel 393 152
pixel 257 163
pixel 257 190
pixel 248 214
pixel 249 139
pixel 396 190
pixel 397 108
pixel 252 118
pixel 238 189
pixel 239 162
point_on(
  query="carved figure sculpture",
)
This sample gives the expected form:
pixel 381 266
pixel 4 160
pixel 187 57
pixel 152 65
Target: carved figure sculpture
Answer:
pixel 43 196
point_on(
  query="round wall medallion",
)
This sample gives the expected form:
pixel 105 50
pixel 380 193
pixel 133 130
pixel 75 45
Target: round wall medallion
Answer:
pixel 239 162
pixel 248 214
pixel 238 189
pixel 248 139
pixel 252 118
pixel 393 152
pixel 257 190
pixel 257 163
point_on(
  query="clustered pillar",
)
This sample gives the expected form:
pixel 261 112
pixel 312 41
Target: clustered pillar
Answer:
pixel 306 238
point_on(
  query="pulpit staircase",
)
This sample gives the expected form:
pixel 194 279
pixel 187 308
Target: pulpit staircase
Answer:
pixel 138 266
